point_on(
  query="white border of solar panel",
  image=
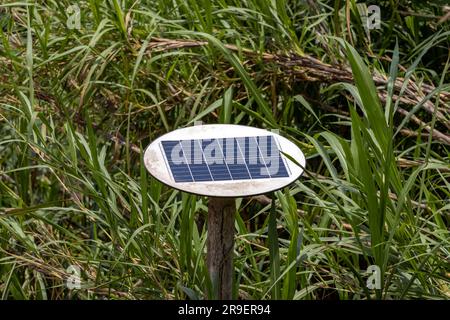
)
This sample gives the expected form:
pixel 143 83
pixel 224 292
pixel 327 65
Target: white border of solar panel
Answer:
pixel 158 166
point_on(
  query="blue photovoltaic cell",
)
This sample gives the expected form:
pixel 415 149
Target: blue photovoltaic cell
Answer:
pixel 180 170
pixel 219 170
pixel 237 168
pixel 242 158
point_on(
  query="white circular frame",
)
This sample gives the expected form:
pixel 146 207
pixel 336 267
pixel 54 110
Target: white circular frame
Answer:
pixel 155 162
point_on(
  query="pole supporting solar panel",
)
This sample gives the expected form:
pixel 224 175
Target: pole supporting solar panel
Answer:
pixel 223 162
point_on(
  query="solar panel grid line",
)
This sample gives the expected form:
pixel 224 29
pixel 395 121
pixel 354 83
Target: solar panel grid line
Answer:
pixel 279 166
pixel 239 169
pixel 166 161
pixel 251 157
pixel 223 157
pixel 243 157
pixel 203 158
pixel 166 145
pixel 219 169
pixel 200 171
pixel 184 155
pixel 284 160
pixel 262 157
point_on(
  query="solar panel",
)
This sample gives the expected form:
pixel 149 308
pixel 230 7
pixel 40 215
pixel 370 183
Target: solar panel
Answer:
pixel 224 159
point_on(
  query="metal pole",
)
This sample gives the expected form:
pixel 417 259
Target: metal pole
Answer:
pixel 220 245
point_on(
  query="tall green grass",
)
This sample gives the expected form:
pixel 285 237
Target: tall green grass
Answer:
pixel 77 107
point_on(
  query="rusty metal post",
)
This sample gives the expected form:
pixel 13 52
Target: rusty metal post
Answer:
pixel 220 245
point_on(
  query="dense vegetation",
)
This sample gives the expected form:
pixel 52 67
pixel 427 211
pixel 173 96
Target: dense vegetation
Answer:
pixel 370 109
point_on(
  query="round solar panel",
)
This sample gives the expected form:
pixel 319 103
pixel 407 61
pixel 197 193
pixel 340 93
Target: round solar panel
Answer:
pixel 222 160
